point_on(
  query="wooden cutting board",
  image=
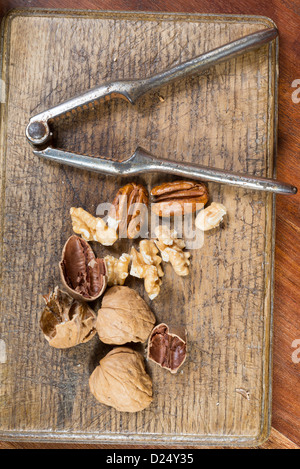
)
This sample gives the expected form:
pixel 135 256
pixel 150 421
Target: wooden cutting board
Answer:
pixel 226 119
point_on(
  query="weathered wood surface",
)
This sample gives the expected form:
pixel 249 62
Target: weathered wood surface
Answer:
pixel 227 281
pixel 275 441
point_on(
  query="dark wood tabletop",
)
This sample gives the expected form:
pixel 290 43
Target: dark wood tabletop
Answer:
pixel 286 345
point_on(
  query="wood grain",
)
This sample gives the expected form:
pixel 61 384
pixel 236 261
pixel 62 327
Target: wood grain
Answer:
pixel 286 408
pixel 225 302
pixel 275 441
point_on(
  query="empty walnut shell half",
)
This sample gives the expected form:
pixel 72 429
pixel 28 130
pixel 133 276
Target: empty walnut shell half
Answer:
pixel 65 321
pixel 178 198
pixel 83 274
pixel 167 347
pixel 124 317
pixel 121 381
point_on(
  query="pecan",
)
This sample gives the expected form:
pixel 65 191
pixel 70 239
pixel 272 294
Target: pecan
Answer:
pixel 178 198
pixel 128 209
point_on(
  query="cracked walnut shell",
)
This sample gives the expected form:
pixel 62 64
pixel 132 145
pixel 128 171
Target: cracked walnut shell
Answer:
pixel 167 346
pixel 124 317
pixel 82 273
pixel 121 381
pixel 65 321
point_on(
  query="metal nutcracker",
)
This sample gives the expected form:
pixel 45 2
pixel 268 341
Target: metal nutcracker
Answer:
pixel 39 133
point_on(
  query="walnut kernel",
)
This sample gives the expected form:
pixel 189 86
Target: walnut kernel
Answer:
pixel 93 228
pixel 210 217
pixel 171 249
pixel 117 269
pixel 146 264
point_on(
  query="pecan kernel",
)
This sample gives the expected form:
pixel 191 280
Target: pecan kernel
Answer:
pixel 178 198
pixel 128 206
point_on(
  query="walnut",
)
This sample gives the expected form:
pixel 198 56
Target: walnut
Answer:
pixel 93 228
pixel 167 346
pixel 117 269
pixel 149 253
pixel 128 209
pixel 82 274
pixel 124 317
pixel 120 381
pixel 171 249
pixel 152 281
pixel 146 264
pixel 138 266
pixel 178 198
pixel 65 321
pixel 210 217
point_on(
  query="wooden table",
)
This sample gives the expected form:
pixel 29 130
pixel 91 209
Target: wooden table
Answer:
pixel 286 355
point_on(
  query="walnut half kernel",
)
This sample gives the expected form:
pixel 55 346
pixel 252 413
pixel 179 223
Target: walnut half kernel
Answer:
pixel 121 381
pixel 93 228
pixel 65 321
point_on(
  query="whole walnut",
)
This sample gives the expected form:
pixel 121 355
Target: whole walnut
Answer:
pixel 65 321
pixel 120 381
pixel 124 317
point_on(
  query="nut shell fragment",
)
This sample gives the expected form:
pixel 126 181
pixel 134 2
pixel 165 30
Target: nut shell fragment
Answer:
pixel 82 274
pixel 167 347
pixel 124 317
pixel 120 381
pixel 65 321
